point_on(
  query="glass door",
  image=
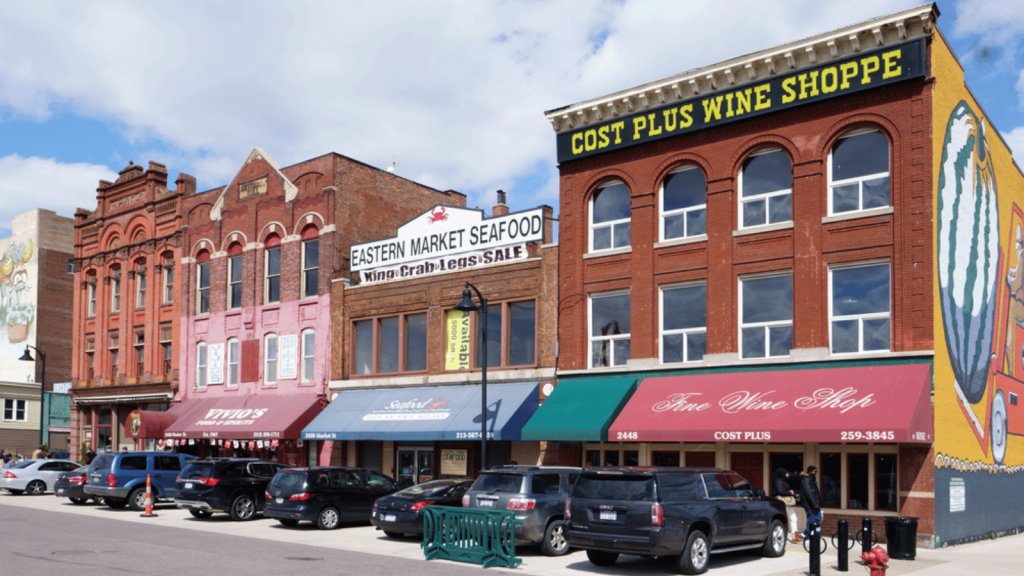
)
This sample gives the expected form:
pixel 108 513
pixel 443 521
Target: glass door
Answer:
pixel 415 465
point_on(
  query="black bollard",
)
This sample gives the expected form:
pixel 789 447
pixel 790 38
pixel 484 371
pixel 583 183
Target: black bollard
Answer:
pixel 815 540
pixel 844 551
pixel 865 535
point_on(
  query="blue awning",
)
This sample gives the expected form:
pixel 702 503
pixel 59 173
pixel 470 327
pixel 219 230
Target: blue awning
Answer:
pixel 426 413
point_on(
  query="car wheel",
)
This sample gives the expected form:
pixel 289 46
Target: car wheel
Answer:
pixel 396 535
pixel 78 501
pixel 328 519
pixel 599 558
pixel 694 559
pixel 115 503
pixel 36 487
pixel 288 522
pixel 101 501
pixel 201 514
pixel 554 543
pixel 775 543
pixel 997 427
pixel 243 508
pixel 137 499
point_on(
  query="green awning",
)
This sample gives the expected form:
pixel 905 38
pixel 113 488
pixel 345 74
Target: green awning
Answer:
pixel 580 410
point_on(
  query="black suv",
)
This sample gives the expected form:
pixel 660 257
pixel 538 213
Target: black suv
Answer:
pixel 684 512
pixel 233 485
pixel 537 496
pixel 326 496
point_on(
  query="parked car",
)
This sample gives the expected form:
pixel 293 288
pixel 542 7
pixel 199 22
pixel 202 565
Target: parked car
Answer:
pixel 326 496
pixel 537 495
pixel 689 513
pixel 34 476
pixel 120 477
pixel 233 485
pixel 71 485
pixel 399 513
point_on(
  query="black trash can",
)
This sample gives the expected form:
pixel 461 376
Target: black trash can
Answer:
pixel 901 537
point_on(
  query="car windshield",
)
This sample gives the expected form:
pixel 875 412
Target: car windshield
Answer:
pixel 426 488
pixel 198 470
pixel 492 483
pixel 289 481
pixel 614 487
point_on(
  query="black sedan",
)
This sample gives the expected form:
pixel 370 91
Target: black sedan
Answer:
pixel 399 513
pixel 71 485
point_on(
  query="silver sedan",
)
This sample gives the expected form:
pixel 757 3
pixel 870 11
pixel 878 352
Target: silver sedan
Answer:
pixel 33 476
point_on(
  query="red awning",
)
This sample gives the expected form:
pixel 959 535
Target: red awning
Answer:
pixel 863 404
pixel 149 423
pixel 246 417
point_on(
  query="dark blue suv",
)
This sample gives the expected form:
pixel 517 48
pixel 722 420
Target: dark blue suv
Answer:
pixel 120 478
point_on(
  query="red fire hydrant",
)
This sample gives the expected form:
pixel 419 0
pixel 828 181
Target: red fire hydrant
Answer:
pixel 876 560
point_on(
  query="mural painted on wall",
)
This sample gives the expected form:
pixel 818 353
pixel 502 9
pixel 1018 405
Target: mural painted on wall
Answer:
pixel 17 303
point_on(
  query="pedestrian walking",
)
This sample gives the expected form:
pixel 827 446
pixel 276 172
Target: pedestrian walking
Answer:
pixel 811 498
pixel 782 488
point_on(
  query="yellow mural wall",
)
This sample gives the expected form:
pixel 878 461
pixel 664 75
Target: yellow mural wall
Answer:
pixel 979 420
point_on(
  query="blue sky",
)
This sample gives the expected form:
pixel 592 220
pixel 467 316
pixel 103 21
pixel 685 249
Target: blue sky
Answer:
pixel 453 92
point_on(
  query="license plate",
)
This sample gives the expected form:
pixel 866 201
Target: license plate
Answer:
pixel 486 503
pixel 389 517
pixel 60 491
pixel 608 515
pixel 279 500
pixel 188 485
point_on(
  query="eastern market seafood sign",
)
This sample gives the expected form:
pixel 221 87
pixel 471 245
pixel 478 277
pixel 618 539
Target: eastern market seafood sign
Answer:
pixel 839 78
pixel 447 239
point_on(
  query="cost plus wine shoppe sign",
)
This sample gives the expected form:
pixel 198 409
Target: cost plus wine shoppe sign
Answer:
pixel 447 239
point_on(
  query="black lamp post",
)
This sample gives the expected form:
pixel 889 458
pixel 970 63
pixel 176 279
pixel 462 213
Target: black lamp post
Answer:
pixel 467 305
pixel 27 356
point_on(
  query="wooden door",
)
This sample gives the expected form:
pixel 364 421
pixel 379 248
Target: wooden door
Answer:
pixel 700 459
pixel 750 465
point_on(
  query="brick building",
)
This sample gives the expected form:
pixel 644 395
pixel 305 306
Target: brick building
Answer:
pixel 126 313
pixel 35 310
pixel 800 257
pixel 257 268
pixel 406 383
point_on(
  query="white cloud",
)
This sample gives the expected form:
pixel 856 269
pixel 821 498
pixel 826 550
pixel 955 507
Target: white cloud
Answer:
pixel 30 183
pixel 455 91
pixel 1015 140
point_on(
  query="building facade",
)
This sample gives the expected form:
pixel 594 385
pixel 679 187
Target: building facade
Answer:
pixel 800 257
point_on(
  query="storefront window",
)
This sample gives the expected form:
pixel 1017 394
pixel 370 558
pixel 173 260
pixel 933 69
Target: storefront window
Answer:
pixel 416 342
pixel 860 309
pixel 609 217
pixel 666 458
pixel 387 343
pixel 493 338
pixel 382 353
pixel 859 172
pixel 364 347
pixel 684 323
pixel 522 331
pixel 886 482
pixel 857 480
pixel 766 321
pixel 609 330
pixel 684 204
pixel 766 183
pixel 831 480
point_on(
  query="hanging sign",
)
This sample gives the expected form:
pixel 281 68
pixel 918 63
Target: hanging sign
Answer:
pixel 453 462
pixel 287 366
pixel 457 340
pixel 215 366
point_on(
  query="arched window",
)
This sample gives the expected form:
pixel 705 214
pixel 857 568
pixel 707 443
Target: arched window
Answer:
pixel 858 172
pixel 272 269
pixel 168 278
pixel 609 217
pixel 203 282
pixel 308 355
pixel 140 236
pixel 310 261
pixel 140 284
pixel 233 361
pixel 766 189
pixel 270 359
pixel 235 276
pixel 684 204
pixel 115 289
pixel 90 282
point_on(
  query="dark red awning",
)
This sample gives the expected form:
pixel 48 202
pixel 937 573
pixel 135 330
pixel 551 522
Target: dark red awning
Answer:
pixel 150 423
pixel 862 404
pixel 246 417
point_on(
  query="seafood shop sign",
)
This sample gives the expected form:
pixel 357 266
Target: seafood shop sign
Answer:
pixel 446 239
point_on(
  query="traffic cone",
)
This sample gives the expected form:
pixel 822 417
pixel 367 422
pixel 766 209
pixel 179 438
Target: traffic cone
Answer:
pixel 149 499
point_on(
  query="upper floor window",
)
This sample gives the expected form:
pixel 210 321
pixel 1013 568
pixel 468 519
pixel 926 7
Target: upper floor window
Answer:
pixel 684 321
pixel 203 283
pixel 310 262
pixel 113 351
pixel 858 171
pixel 609 330
pixel 270 359
pixel 168 291
pixel 511 344
pixel 166 346
pixel 272 287
pixel 91 293
pixel 684 204
pixel 609 217
pixel 140 352
pixel 766 316
pixel 140 285
pixel 859 308
pixel 115 290
pixel 233 361
pixel 400 344
pixel 766 189
pixel 201 364
pixel 235 276
pixel 90 356
pixel 308 355
pixel 15 410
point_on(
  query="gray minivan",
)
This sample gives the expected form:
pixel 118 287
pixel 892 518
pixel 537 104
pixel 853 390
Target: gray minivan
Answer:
pixel 120 477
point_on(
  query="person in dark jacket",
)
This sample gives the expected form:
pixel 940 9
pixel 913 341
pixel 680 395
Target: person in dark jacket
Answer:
pixel 811 498
pixel 782 488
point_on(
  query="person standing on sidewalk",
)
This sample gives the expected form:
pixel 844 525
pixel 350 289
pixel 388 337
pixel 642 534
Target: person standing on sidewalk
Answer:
pixel 811 498
pixel 783 490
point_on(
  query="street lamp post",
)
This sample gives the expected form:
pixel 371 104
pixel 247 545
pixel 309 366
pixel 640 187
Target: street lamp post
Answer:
pixel 467 305
pixel 27 356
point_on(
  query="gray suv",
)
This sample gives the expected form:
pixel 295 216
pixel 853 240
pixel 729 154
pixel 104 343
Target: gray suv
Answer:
pixel 537 496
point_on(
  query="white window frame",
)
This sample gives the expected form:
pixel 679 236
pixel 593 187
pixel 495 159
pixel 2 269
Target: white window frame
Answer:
pixel 681 211
pixel 115 294
pixel 267 276
pixel 762 197
pixel 686 332
pixel 591 339
pixel 200 289
pixel 202 364
pixel 270 361
pixel 168 287
pixel 16 406
pixel 91 291
pixel 304 269
pixel 766 326
pixel 234 367
pixel 308 357
pixel 114 353
pixel 140 286
pixel 860 318
pixel 609 224
pixel 232 262
pixel 860 179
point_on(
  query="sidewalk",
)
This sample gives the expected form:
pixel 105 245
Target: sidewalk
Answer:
pixel 994 557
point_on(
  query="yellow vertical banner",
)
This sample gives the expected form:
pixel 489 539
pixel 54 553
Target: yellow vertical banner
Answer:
pixel 457 340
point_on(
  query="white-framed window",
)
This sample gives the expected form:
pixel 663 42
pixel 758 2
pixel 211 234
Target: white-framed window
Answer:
pixel 684 321
pixel 270 359
pixel 140 352
pixel 310 267
pixel 233 361
pixel 860 304
pixel 115 293
pixel 766 315
pixel 15 410
pixel 140 285
pixel 168 279
pixel 766 189
pixel 272 286
pixel 91 291
pixel 858 172
pixel 202 365
pixel 610 217
pixel 609 329
pixel 308 355
pixel 203 287
pixel 684 204
pixel 235 281
pixel 113 352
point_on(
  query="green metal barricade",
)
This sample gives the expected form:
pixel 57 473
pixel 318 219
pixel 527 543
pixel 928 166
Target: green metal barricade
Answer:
pixel 485 537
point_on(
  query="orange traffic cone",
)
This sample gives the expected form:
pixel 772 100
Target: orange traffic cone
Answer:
pixel 149 499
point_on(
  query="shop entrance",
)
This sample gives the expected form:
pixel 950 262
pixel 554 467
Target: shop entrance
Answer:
pixel 750 465
pixel 415 465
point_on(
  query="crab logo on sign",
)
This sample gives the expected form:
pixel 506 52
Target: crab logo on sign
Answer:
pixel 438 214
